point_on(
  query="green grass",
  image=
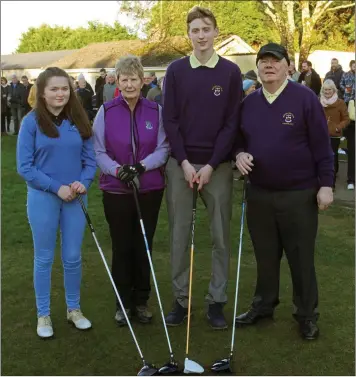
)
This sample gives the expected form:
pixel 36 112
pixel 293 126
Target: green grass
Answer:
pixel 273 348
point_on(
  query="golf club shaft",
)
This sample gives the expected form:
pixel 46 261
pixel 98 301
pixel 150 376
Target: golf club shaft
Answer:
pixel 195 195
pixel 151 265
pixel 239 263
pixel 110 276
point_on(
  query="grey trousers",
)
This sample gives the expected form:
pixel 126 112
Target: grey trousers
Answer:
pixel 217 197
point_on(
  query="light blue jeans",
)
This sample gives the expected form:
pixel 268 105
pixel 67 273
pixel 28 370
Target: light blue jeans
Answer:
pixel 46 212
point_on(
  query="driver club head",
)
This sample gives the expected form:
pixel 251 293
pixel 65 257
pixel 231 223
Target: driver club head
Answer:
pixel 223 365
pixel 191 367
pixel 169 368
pixel 147 370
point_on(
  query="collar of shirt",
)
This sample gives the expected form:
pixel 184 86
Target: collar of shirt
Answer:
pixel 271 97
pixel 211 63
pixel 58 119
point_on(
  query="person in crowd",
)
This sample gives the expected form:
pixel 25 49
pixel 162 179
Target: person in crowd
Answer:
pixel 335 74
pixel 85 98
pixel 293 74
pixel 74 82
pixel 202 97
pixel 99 87
pixel 150 81
pixel 55 156
pixel 155 94
pixel 109 88
pixel 310 78
pixel 27 85
pixel 337 117
pixel 32 95
pixel 248 86
pixel 347 86
pixel 251 75
pixel 87 85
pixel 131 151
pixel 16 101
pixel 347 83
pixel 4 107
pixel 284 148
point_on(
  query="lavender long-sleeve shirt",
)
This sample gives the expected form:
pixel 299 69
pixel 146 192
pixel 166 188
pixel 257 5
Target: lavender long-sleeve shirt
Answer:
pixel 109 166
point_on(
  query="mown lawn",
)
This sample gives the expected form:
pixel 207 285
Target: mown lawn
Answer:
pixel 273 348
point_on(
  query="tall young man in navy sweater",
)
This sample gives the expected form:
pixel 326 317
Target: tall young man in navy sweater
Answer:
pixel 202 95
pixel 287 154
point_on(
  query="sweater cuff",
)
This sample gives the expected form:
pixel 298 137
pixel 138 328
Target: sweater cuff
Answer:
pixel 87 183
pixel 326 181
pixel 54 186
pixel 240 150
pixel 213 163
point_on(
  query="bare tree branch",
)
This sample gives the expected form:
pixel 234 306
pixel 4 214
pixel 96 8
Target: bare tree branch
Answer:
pixel 289 7
pixel 270 11
pixel 341 7
pixel 321 7
pixel 269 4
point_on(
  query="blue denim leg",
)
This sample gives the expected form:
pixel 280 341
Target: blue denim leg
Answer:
pixel 72 225
pixel 43 210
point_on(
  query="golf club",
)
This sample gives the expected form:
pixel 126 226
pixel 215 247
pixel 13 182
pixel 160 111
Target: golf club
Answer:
pixel 225 365
pixel 190 366
pixel 172 366
pixel 147 369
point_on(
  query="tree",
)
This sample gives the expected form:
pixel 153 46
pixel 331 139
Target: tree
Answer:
pixel 299 25
pixel 53 38
pixel 161 19
pixel 285 14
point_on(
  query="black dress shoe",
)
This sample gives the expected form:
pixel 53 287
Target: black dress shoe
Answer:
pixel 250 318
pixel 308 330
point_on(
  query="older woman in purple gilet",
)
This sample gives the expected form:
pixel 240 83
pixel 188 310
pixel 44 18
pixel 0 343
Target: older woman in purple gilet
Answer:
pixel 131 146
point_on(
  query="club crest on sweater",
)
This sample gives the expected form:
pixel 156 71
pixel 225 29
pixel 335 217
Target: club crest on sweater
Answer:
pixel 288 119
pixel 149 125
pixel 217 90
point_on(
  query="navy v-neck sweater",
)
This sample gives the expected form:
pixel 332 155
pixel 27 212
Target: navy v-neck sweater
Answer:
pixel 288 140
pixel 201 109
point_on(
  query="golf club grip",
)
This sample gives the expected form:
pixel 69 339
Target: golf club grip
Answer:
pixel 244 187
pixel 135 190
pixel 195 195
pixel 80 200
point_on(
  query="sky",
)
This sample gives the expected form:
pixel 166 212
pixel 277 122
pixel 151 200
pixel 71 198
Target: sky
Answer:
pixel 18 16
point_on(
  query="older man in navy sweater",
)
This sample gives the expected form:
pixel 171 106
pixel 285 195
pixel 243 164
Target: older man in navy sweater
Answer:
pixel 284 147
pixel 202 95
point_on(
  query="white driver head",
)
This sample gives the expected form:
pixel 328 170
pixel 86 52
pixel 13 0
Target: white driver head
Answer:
pixel 191 367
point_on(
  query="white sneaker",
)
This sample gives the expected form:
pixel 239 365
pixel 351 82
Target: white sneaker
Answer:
pixel 44 327
pixel 351 186
pixel 77 318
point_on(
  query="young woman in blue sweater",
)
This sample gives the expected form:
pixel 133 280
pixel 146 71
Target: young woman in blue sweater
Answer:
pixel 55 157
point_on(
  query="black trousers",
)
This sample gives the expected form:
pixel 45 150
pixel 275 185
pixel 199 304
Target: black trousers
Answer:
pixel 277 221
pixel 6 116
pixel 3 124
pixel 130 265
pixel 350 135
pixel 335 143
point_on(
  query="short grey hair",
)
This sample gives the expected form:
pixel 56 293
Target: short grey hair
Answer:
pixel 129 65
pixel 329 84
pixel 111 74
